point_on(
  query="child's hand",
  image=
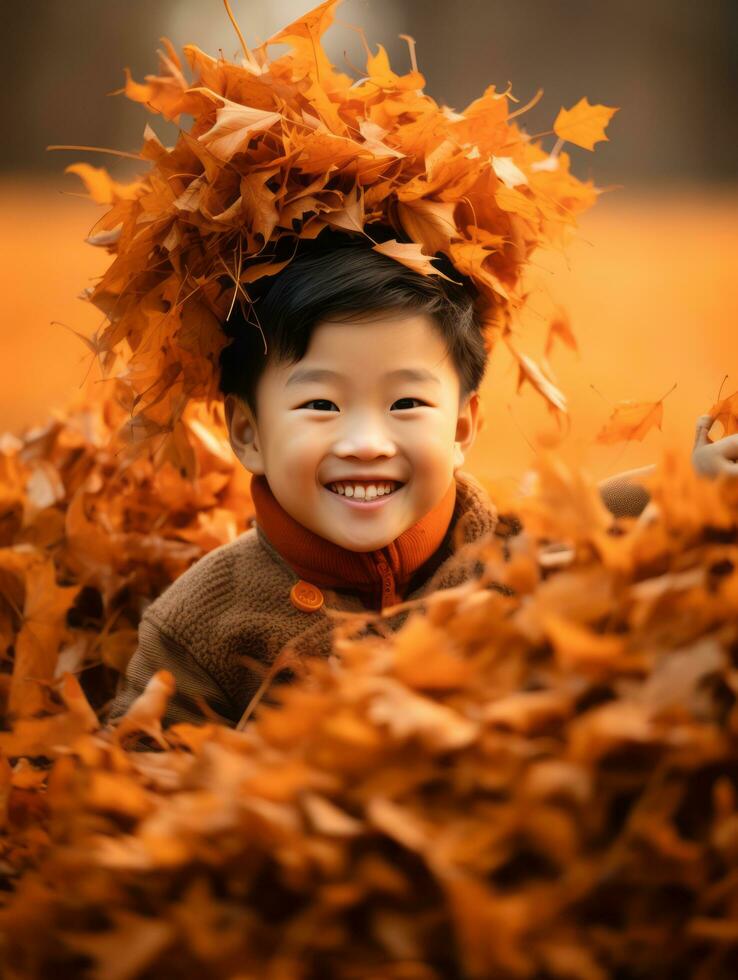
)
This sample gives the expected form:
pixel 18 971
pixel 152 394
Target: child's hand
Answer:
pixel 712 458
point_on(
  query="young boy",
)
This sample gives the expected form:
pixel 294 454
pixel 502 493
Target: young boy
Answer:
pixel 352 405
pixel 354 424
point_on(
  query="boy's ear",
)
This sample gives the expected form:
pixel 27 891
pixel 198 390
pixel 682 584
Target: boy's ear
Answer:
pixel 242 433
pixel 466 428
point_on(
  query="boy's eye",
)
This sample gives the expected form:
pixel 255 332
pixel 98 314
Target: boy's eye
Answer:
pixel 325 401
pixel 409 400
pixel 317 401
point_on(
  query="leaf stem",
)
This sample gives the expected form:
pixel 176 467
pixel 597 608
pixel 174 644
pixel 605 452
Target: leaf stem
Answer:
pixel 536 98
pixel 668 392
pixel 246 51
pixel 97 149
pixel 411 45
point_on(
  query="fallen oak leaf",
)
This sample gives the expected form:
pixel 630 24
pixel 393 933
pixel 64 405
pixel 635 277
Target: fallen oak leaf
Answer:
pixel 508 172
pixel 407 715
pixel 399 823
pixel 373 138
pixel 350 218
pixel 509 199
pixel 562 504
pixel 490 928
pixel 37 645
pixel 44 487
pixel 528 711
pixel 234 125
pixel 76 701
pixel 471 257
pixel 584 124
pixel 303 33
pixel 49 736
pixel 616 725
pixel 423 658
pixel 146 712
pixel 410 254
pixel 27 776
pixel 327 818
pixel 677 674
pixel 118 793
pixel 429 222
pixel 633 420
pixel 580 648
pixel 529 371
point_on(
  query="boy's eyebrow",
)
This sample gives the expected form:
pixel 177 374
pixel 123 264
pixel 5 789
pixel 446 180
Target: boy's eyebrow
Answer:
pixel 324 374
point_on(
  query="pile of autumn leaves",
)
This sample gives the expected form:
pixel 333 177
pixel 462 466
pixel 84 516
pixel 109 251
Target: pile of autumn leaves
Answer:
pixel 532 782
pixel 89 537
pixel 283 149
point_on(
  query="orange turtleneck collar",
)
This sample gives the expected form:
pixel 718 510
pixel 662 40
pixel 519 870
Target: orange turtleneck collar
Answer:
pixel 380 575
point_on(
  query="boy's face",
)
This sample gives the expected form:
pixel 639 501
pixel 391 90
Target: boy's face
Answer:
pixel 364 421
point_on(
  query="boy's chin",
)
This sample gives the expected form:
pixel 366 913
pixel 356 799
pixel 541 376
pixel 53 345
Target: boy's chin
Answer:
pixel 354 543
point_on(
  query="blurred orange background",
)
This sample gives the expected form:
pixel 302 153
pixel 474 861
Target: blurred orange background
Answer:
pixel 650 282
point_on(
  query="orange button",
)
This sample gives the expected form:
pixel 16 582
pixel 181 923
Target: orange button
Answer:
pixel 305 596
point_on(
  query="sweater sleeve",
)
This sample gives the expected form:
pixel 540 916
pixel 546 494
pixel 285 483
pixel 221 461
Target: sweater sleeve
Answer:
pixel 157 650
pixel 623 495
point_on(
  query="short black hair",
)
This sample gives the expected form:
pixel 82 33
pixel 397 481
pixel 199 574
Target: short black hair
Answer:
pixel 340 276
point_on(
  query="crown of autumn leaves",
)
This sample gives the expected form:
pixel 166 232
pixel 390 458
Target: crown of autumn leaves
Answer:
pixel 280 150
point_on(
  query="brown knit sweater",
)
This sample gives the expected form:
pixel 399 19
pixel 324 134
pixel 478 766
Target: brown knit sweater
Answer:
pixel 235 601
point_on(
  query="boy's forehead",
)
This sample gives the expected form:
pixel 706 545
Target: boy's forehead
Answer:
pixel 304 374
pixel 378 345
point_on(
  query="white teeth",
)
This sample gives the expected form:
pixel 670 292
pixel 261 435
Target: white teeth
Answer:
pixel 361 492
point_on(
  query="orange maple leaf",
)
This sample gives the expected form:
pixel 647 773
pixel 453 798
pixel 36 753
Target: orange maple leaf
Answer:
pixel 632 420
pixel 726 412
pixel 584 124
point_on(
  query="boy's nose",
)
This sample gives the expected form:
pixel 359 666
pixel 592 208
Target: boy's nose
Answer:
pixel 365 446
